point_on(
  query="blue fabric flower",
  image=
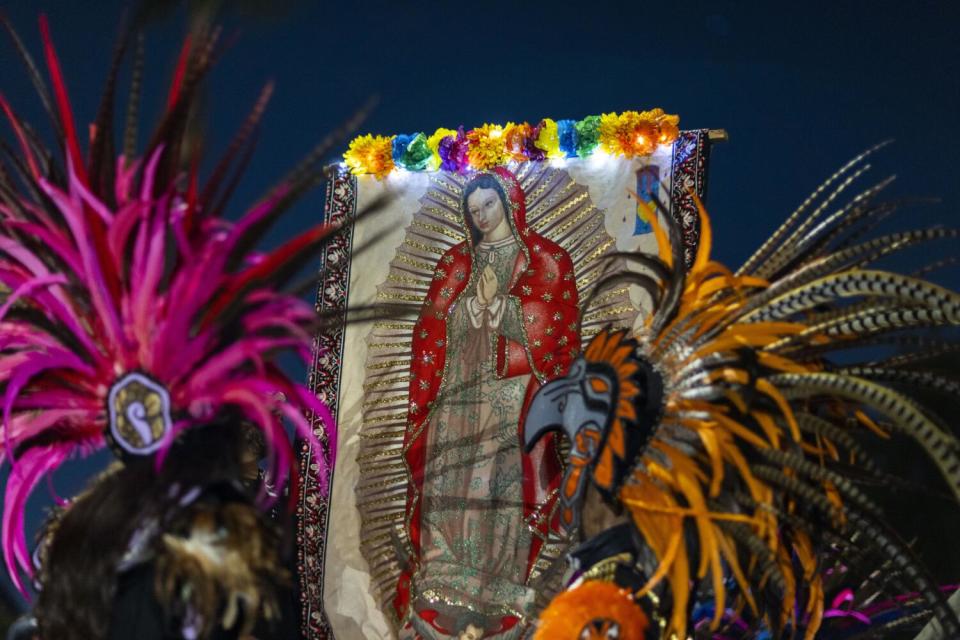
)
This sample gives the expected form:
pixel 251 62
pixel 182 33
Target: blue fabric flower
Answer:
pixel 567 130
pixel 400 143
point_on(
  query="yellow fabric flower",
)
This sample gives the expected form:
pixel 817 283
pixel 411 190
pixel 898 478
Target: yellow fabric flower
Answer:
pixel 608 133
pixel 627 134
pixel 486 148
pixel 549 139
pixel 434 143
pixel 370 154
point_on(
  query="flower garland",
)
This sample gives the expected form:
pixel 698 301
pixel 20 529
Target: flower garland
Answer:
pixel 627 134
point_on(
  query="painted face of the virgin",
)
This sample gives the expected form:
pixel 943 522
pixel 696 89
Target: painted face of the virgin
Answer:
pixel 486 211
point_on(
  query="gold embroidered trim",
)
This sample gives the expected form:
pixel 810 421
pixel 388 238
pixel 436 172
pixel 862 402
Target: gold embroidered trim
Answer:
pixel 409 261
pixel 562 210
pixel 386 400
pixel 396 435
pixel 423 247
pixel 403 297
pixel 385 453
pixel 441 229
pixel 595 316
pixel 386 383
pixel 399 418
pixel 416 282
pixel 442 213
pixel 387 364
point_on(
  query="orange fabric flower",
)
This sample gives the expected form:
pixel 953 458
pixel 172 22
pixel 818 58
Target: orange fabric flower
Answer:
pixel 515 138
pixel 637 134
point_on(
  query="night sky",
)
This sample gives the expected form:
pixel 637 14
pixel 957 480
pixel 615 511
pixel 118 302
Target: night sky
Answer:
pixel 800 87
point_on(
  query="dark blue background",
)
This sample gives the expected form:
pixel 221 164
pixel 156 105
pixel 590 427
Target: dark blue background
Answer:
pixel 800 87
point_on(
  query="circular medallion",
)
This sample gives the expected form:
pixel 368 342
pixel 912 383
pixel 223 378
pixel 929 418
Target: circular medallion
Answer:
pixel 139 410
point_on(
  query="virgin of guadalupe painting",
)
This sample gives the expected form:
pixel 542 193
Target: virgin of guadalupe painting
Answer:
pixel 437 524
pixel 500 318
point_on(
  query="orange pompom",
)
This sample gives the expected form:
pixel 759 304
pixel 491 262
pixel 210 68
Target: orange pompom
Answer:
pixel 594 610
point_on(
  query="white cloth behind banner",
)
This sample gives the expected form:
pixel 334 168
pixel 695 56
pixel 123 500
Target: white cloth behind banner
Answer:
pixel 352 607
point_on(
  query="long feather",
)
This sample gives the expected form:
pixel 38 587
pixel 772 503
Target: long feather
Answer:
pixel 881 284
pixel 30 468
pixel 941 447
pixel 777 236
pixel 801 237
pixel 134 270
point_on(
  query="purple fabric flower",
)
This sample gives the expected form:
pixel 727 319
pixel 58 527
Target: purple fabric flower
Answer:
pixel 534 152
pixel 453 153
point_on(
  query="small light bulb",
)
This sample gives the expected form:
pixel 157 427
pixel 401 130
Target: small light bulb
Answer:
pixel 599 157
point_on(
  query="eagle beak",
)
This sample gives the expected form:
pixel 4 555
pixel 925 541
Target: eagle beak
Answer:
pixel 547 409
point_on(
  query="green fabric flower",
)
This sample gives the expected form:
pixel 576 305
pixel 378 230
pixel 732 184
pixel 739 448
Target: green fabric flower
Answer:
pixel 588 135
pixel 418 154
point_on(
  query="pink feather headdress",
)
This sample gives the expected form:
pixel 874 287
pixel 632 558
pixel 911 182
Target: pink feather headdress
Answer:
pixel 134 310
